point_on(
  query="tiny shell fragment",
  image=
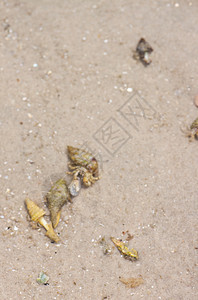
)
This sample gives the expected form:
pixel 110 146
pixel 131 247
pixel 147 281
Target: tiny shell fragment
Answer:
pixel 43 278
pixel 128 254
pixel 56 198
pixel 132 282
pixel 75 186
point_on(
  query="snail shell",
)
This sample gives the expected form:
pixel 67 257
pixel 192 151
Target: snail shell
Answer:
pixel 56 198
pixel 80 157
pixel 34 210
pixel 36 214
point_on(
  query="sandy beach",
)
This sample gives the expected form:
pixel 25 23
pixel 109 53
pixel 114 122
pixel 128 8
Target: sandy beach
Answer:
pixel 68 77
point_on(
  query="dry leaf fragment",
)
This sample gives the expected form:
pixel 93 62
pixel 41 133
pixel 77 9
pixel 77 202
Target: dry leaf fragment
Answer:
pixel 132 282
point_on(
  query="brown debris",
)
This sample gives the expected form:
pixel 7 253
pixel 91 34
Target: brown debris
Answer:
pixel 132 282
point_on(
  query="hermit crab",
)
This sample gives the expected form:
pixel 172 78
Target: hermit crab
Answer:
pixel 56 198
pixel 83 165
pixel 143 51
pixel 192 132
pixel 36 214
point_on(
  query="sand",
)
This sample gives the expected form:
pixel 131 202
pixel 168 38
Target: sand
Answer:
pixel 68 77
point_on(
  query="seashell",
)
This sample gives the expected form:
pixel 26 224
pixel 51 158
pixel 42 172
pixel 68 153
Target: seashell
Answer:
pixel 36 214
pixel 80 157
pixel 143 51
pixel 84 165
pixel 75 186
pixel 128 254
pixel 56 198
